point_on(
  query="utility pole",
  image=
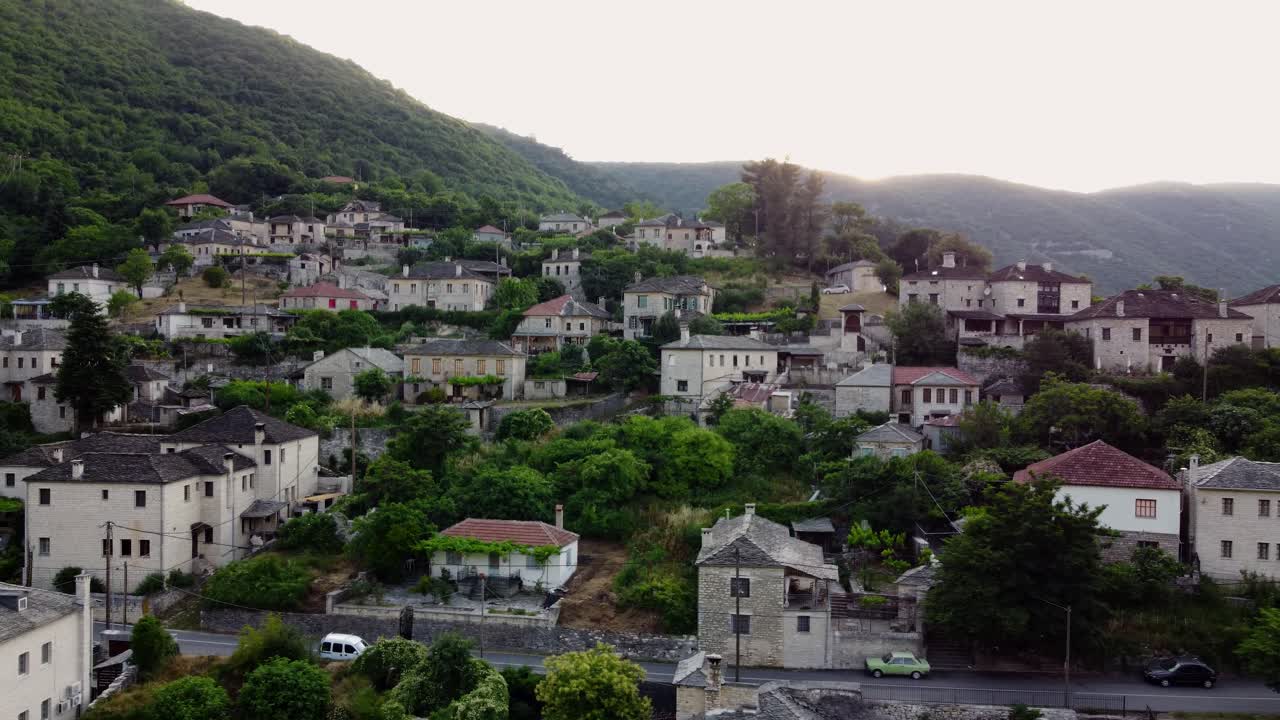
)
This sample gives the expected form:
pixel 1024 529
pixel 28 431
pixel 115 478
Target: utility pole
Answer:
pixel 1204 375
pixel 737 616
pixel 1066 664
pixel 109 553
pixel 353 450
pixel 482 604
pixel 124 605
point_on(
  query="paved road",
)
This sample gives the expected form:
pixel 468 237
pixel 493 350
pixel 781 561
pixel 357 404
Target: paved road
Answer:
pixel 1094 691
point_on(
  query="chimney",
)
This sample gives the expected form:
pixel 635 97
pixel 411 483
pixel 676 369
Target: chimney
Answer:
pixel 77 469
pixel 714 675
pixel 342 282
pixel 751 509
pixel 502 261
pixel 404 271
pixel 95 269
pixel 259 433
pixel 555 253
pixel 560 517
pixel 1222 303
pixel 448 258
pixel 1022 265
pixel 684 332
pixel 1193 462
pixel 457 269
pixel 575 253
pixel 637 276
pixel 948 259
pixel 601 302
pixel 182 306
pixel 706 536
pixel 317 355
pixel 1048 266
pixel 57 456
pixel 229 461
pixel 1120 308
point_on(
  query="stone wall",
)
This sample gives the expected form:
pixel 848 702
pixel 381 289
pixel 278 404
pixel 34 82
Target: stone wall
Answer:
pixel 600 409
pixel 1120 549
pixel 131 607
pixel 856 639
pixel 987 370
pixel 905 711
pixel 654 648
pixel 372 442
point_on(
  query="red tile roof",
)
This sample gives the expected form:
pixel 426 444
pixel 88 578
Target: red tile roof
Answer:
pixel 337 179
pixel 526 532
pixel 1099 464
pixel 490 229
pixel 912 375
pixel 201 199
pixel 325 290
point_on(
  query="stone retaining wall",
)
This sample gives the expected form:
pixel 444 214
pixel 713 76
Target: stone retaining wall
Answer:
pixel 601 409
pixel 371 442
pixel 541 640
pixel 987 370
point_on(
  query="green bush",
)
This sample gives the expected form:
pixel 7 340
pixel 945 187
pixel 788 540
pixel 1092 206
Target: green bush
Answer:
pixel 282 688
pixel 65 581
pixel 431 396
pixel 179 579
pixel 191 698
pixel 152 583
pixel 258 645
pixel 152 646
pixel 215 277
pixel 388 659
pixel 314 532
pixel 525 424
pixel 265 582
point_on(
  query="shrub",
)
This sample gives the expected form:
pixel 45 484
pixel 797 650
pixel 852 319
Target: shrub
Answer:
pixel 152 646
pixel 525 424
pixel 433 396
pixel 388 659
pixel 65 581
pixel 191 698
pixel 179 579
pixel 265 582
pixel 258 645
pixel 150 584
pixel 215 277
pixel 315 532
pixel 283 688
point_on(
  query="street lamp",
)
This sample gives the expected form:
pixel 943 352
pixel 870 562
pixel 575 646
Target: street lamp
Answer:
pixel 1066 660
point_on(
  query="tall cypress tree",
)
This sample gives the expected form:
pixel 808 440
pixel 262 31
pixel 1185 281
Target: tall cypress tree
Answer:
pixel 92 378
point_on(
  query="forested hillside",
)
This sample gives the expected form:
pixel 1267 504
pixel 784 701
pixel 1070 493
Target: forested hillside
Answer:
pixel 584 179
pixel 111 106
pixel 1220 236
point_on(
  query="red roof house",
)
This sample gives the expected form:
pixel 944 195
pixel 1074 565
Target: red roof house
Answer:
pixel 913 375
pixel 1101 465
pixel 200 199
pixel 533 533
pixel 325 296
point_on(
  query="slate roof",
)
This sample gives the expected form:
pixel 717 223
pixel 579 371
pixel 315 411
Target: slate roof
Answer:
pixel 484 267
pixel 214 236
pixel 42 455
pixel 142 373
pixel 35 339
pixel 210 224
pixel 236 426
pixel 562 217
pixel 1238 474
pixel 285 220
pixel 762 543
pixel 814 525
pixel 201 199
pixel 1098 464
pixel 1265 296
pixel 945 273
pixel 678 285
pixel 849 266
pixel 85 272
pixel 1005 386
pixel 525 532
pixel 43 607
pixel 145 469
pixel 386 360
pixel 1033 273
pixel 853 307
pixel 261 310
pixel 1160 304
pixel 444 270
pixel 891 432
pixel 567 306
pixel 877 375
pixel 462 347
pixel 933 376
pixel 689 671
pixel 362 206
pixel 720 342
pixel 263 508
pixel 324 289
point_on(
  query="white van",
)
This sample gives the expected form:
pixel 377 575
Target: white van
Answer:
pixel 337 646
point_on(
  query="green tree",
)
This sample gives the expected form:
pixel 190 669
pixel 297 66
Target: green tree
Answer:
pixel 430 436
pixel 449 669
pixel 1068 354
pixel 385 538
pixel 594 684
pixel 120 302
pixel 388 480
pixel 889 273
pixel 1259 652
pixel 516 293
pixel 191 698
pixel 314 532
pixel 628 365
pixel 136 268
pixel 763 441
pixel 732 205
pixel 911 249
pixel 1026 548
pixel 705 325
pixel 985 425
pixel 665 329
pixel 215 276
pixel 255 348
pixel 696 460
pixel 92 376
pixel 641 209
pixel 68 305
pixel 525 424
pixel 388 659
pixel 920 335
pixel 256 646
pixel 65 581
pixel 154 225
pixel 372 384
pixel 522 690
pixel 176 258
pixel 968 253
pixel 267 582
pixel 283 688
pixel 152 646
pixel 1066 415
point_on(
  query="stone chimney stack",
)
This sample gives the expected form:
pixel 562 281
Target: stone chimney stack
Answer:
pixel 750 509
pixel 575 253
pixel 637 276
pixel 706 536
pixel 715 676
pixel 86 632
pixel 182 307
pixel 1048 266
pixel 457 269
pixel 555 253
pixel 95 270
pixel 1193 462
pixel 560 516
pixel 229 462
pixel 1022 265
pixel 1120 308
pixel 77 469
pixel 17 338
pixel 404 271
pixel 57 456
pixel 684 332
pixel 948 259
pixel 601 303
pixel 1222 303
pixel 259 433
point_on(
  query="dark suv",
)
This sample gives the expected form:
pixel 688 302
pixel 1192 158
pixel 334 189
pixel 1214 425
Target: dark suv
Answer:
pixel 1189 670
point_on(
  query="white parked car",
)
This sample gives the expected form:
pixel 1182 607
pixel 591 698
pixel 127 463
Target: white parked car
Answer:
pixel 337 646
pixel 836 290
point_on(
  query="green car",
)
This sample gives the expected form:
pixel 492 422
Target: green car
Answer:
pixel 898 663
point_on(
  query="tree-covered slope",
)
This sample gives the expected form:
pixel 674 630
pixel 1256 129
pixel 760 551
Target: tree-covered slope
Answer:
pixel 124 103
pixel 582 178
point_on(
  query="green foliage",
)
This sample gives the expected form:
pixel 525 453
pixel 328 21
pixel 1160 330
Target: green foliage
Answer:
pixel 762 316
pixel 891 494
pixel 152 646
pixel 191 698
pixel 1022 712
pixel 469 546
pixel 136 268
pixel 384 539
pixel 624 364
pixel 522 684
pixel 120 302
pixel 1068 354
pixel 447 674
pixel 732 205
pixel 513 493
pixel 313 532
pixel 388 480
pixel 985 425
pixel 600 485
pixel 372 384
pixel 889 273
pixel 516 293
pixel 1146 579
pixel 266 582
pixel 254 348
pixel 331 332
pixel 764 442
pixel 920 335
pixel 525 424
pixel 475 380
pixel 696 462
pixel 1068 415
pixel 592 685
pixel 65 581
pixel 388 659
pixel 215 277
pixel 152 583
pixel 430 436
pixel 284 688
pixel 176 258
pixel 92 376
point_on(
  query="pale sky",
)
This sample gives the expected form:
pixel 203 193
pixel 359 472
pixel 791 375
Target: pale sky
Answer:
pixel 1076 94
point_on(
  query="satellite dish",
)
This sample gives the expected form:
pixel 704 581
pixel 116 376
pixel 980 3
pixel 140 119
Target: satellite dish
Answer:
pixel 986 291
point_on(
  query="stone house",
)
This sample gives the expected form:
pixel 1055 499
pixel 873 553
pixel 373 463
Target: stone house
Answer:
pixel 325 296
pixel 940 432
pixel 672 232
pixel 772 591
pixel 566 269
pixel 489 233
pixel 308 268
pixel 335 373
pixel 949 286
pixel 356 211
pixel 644 301
pixel 188 206
pixel 207 247
pixel 1232 508
pixel 564 222
pixel 859 276
pixel 48 638
pixel 1141 502
pixel 221 321
pixel 1263 306
pixel 294 230
pixel 442 285
pixel 97 284
pixel 50 416
pixel 695 369
pixel 611 219
pixel 1008 393
pixel 921 393
pixel 869 389
pixel 550 574
pixel 15 468
pixel 28 354
pixel 437 363
pixel 553 324
pixel 890 440
pixel 1148 330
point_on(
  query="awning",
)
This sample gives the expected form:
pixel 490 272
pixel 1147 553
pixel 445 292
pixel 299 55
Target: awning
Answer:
pixel 264 509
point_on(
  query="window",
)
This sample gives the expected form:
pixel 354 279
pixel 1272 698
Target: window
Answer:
pixel 1208 337
pixel 906 397
pixel 1264 551
pixel 457 367
pixel 642 301
pixel 333 303
pixel 502 366
pixel 10 480
pixel 46 653
pixel 19 363
pixel 44 546
pixel 1264 508
pixel 23 662
pixel 40 393
pixel 140 498
pixel 480 366
pixel 186 493
pixel 126 548
pixel 1149 544
pixel 547 323
pixel 953 396
pixel 933 298
pixel 435 365
pixel 62 412
pixel 1239 337
pixel 741 624
pixel 244 483
pixel 1022 302
pixel 1226 548
pixel 326 383
pixel 802 623
pixel 735 361
pixel 582 327
pixel 968 397
pixel 266 457
pixel 740 587
pixel 448 288
pixel 208 488
pixel 1144 508
pixel 45 494
pixel 532 562
pixel 452 558
pixel 1075 304
pixel 1137 334
pixel 1228 506
pixel 926 395
pixel 1106 334
pixel 682 386
pixel 144 548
